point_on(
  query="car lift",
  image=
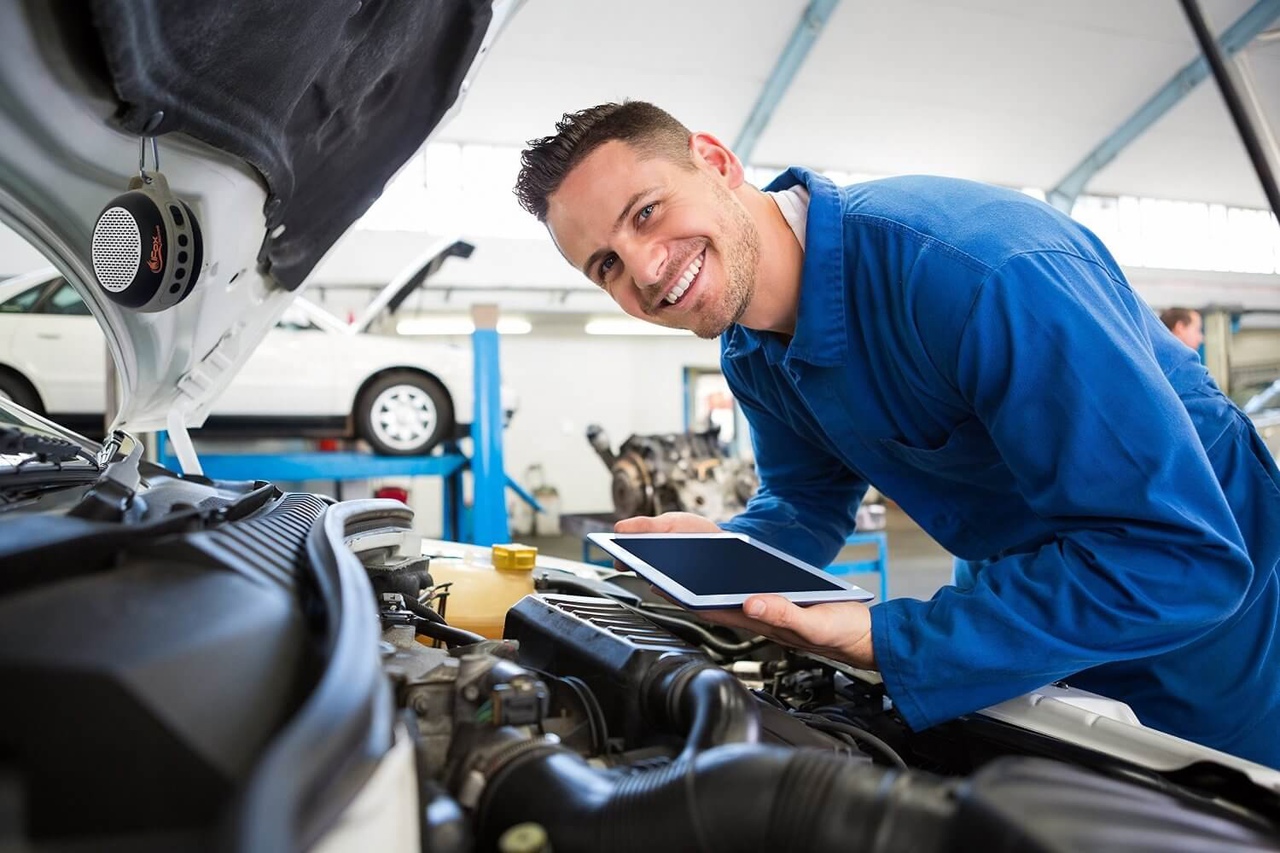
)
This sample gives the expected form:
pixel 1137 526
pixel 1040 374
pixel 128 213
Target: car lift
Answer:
pixel 488 516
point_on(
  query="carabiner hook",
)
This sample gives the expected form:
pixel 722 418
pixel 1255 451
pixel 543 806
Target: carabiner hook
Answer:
pixel 142 157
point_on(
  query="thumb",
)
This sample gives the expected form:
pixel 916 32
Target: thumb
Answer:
pixel 770 609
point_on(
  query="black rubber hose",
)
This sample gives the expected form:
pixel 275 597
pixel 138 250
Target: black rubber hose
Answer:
pixel 695 633
pixel 707 703
pixel 446 634
pixel 424 612
pixel 730 798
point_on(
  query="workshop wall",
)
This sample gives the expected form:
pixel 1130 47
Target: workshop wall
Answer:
pixel 627 385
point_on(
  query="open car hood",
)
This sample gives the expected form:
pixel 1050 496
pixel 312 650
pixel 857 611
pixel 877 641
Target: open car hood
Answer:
pixel 278 123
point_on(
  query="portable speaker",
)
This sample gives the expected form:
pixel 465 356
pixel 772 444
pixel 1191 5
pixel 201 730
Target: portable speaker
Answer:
pixel 147 248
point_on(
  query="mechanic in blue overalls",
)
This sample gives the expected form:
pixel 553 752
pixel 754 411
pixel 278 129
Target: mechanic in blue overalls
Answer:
pixel 979 358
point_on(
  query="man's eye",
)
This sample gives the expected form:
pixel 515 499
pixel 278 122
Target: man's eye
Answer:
pixel 645 212
pixel 606 265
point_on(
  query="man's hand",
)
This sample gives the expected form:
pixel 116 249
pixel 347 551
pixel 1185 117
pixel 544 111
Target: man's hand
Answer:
pixel 837 629
pixel 668 522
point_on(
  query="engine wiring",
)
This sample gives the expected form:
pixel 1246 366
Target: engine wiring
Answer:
pixel 664 615
pixel 859 736
pixel 862 737
pixel 594 721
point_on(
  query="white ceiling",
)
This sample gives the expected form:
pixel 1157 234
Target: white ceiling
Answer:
pixel 1014 92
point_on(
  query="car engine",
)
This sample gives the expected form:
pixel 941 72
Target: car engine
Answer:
pixel 685 472
pixel 616 721
pixel 196 665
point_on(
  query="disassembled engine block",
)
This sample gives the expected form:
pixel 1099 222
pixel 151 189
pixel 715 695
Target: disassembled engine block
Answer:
pixel 685 472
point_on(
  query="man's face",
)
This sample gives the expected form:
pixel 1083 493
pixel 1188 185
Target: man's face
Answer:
pixel 1190 332
pixel 668 241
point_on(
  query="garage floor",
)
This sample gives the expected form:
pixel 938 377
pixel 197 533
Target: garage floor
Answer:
pixel 917 564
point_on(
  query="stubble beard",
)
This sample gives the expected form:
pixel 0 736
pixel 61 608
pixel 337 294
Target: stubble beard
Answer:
pixel 740 256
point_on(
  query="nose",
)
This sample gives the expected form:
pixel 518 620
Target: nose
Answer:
pixel 646 261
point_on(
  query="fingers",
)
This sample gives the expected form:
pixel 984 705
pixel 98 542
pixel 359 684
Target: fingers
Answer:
pixel 833 625
pixel 839 629
pixel 668 522
pixel 639 524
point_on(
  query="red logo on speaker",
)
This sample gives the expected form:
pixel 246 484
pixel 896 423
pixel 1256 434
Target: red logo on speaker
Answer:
pixel 156 262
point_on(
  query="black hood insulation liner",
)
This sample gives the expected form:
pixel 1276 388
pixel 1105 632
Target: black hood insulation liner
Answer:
pixel 327 99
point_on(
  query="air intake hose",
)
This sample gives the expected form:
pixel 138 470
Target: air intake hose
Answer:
pixel 705 702
pixel 724 792
pixel 729 798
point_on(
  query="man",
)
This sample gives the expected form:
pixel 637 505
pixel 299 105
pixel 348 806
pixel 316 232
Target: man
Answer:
pixel 980 358
pixel 1185 324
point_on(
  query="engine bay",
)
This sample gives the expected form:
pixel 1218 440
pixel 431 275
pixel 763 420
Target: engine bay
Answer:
pixel 236 667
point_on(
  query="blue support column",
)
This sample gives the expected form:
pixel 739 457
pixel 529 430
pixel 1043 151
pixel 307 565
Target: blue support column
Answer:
pixel 1236 37
pixel 451 499
pixel 812 22
pixel 489 478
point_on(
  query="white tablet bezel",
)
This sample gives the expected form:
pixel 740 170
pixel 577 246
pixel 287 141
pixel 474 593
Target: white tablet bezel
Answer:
pixel 693 601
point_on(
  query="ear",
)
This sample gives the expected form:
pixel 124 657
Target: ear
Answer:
pixel 710 153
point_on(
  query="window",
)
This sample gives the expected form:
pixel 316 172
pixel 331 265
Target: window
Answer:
pixel 65 300
pixel 21 304
pixel 709 404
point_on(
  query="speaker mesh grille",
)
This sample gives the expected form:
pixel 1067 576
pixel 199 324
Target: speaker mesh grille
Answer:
pixel 117 249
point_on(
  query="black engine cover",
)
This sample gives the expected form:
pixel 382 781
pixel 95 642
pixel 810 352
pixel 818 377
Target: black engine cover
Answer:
pixel 139 697
pixel 608 646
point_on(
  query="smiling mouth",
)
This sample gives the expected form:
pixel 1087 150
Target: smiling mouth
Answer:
pixel 685 283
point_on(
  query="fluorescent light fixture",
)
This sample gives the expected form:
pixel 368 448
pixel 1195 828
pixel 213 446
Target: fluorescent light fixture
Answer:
pixel 628 326
pixel 449 325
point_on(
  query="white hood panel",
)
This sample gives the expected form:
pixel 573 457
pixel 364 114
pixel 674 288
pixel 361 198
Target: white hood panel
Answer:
pixel 61 163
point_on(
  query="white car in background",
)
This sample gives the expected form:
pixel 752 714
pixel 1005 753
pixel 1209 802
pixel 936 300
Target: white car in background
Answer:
pixel 312 374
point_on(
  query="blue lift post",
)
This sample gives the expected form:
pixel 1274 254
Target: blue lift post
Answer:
pixel 489 478
pixel 1234 39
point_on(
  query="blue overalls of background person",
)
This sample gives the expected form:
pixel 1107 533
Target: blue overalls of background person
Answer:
pixel 980 358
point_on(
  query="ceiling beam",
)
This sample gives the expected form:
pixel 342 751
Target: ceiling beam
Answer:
pixel 811 24
pixel 1237 36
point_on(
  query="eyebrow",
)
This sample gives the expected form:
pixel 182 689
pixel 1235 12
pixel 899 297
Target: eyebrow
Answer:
pixel 617 223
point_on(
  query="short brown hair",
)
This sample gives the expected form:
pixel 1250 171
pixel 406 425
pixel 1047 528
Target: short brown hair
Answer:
pixel 1173 316
pixel 544 164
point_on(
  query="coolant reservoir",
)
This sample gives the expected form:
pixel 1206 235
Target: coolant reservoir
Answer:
pixel 484 586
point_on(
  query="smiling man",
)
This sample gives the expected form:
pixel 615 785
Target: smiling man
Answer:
pixel 979 358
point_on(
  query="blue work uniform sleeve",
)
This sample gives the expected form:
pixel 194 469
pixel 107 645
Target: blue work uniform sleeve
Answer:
pixel 807 503
pixel 1146 556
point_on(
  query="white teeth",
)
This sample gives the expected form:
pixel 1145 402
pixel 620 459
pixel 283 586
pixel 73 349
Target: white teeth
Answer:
pixel 690 274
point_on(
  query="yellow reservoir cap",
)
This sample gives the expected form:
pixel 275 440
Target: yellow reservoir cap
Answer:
pixel 514 557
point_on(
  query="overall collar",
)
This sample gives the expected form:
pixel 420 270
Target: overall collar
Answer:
pixel 820 319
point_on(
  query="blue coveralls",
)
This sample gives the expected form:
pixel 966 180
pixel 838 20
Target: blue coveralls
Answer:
pixel 980 358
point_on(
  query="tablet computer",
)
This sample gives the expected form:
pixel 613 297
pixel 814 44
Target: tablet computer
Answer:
pixel 703 571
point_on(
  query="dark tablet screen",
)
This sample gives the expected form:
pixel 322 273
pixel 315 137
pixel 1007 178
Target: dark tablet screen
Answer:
pixel 723 566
